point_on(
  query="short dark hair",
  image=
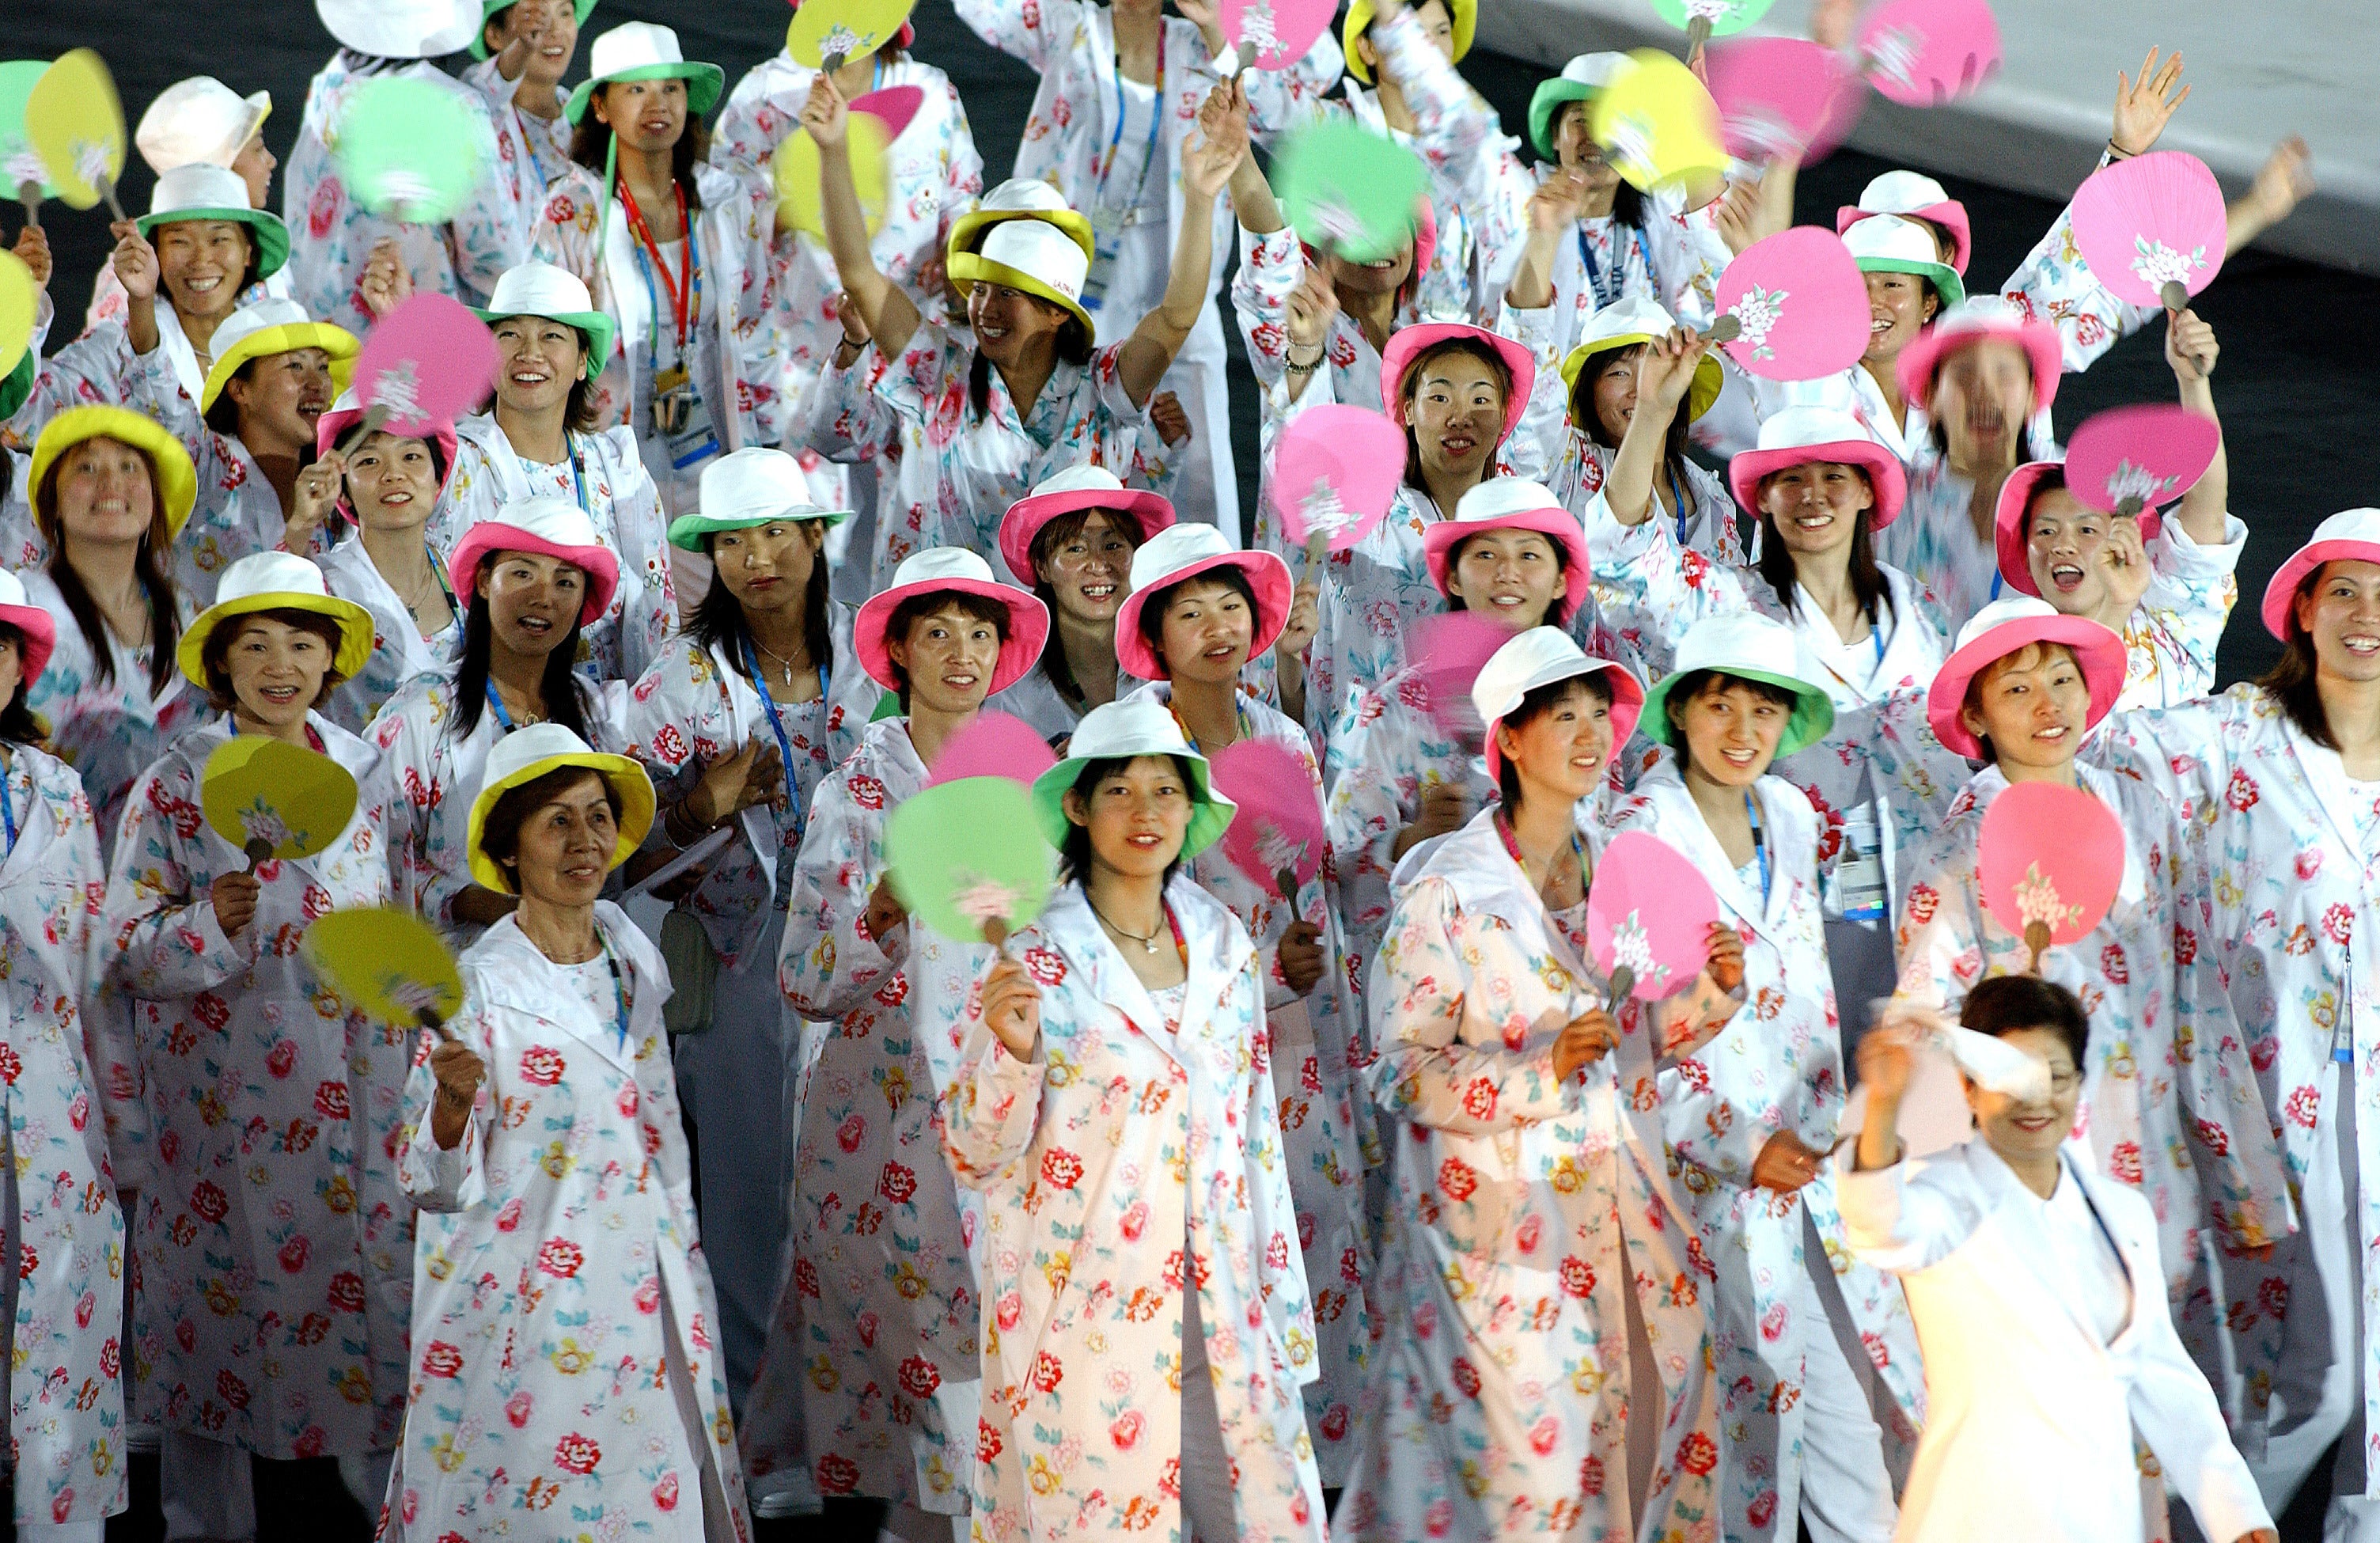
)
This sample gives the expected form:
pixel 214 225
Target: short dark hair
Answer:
pixel 1477 349
pixel 1590 422
pixel 223 414
pixel 1535 705
pixel 906 614
pixel 1075 852
pixel 214 654
pixel 1693 683
pixel 1152 610
pixel 1974 699
pixel 17 724
pixel 2008 1004
pixel 500 832
pixel 1060 530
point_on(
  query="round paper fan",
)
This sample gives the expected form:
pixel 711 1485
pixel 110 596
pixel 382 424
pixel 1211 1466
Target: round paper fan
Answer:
pixel 1928 53
pixel 1276 840
pixel 2048 861
pixel 410 150
pixel 2136 460
pixel 1660 128
pixel 1782 98
pixel 2149 222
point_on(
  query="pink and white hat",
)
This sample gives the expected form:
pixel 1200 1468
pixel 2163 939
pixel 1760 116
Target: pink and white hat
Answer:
pixel 2350 535
pixel 346 413
pixel 1798 436
pixel 1913 196
pixel 551 526
pixel 1540 656
pixel 2002 629
pixel 952 570
pixel 1973 321
pixel 2009 536
pixel 1410 342
pixel 1514 503
pixel 39 628
pixel 1077 487
pixel 1180 554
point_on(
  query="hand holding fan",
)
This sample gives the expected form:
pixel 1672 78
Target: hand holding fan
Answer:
pixel 1800 305
pixel 2136 460
pixel 1705 19
pixel 427 363
pixel 968 859
pixel 992 744
pixel 795 167
pixel 389 964
pixel 1276 840
pixel 1783 98
pixel 1648 918
pixel 1660 128
pixel 271 799
pixel 75 124
pixel 408 150
pixel 1269 34
pixel 1335 471
pixel 1450 649
pixel 2048 861
pixel 21 301
pixel 20 165
pixel 824 33
pixel 2152 228
pixel 1349 190
pixel 1929 52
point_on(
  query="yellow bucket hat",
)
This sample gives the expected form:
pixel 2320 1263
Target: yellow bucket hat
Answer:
pixel 528 753
pixel 1466 15
pixel 177 480
pixel 276 581
pixel 1623 324
pixel 1032 255
pixel 271 327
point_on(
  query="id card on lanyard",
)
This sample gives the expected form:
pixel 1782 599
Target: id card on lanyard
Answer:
pixel 679 414
pixel 1619 266
pixel 1109 221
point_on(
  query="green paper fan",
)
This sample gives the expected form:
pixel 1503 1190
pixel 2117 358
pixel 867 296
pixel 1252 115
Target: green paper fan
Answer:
pixel 271 799
pixel 409 150
pixel 1349 190
pixel 968 858
pixel 389 964
pixel 1711 18
pixel 20 164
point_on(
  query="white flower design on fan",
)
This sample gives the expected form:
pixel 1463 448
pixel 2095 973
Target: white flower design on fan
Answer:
pixel 1277 849
pixel 2138 483
pixel 1337 220
pixel 407 196
pixel 982 900
pixel 396 391
pixel 2038 899
pixel 90 160
pixel 1256 33
pixel 1324 514
pixel 1894 56
pixel 24 166
pixel 2158 264
pixel 1756 312
pixel 1632 950
pixel 260 821
pixel 842 40
pixel 1632 144
pixel 1766 133
pixel 413 996
pixel 1711 10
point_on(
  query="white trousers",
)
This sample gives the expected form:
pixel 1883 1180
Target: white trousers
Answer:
pixel 1846 1489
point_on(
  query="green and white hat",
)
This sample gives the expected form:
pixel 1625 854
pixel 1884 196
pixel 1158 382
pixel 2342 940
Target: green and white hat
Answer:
pixel 1579 81
pixel 1888 244
pixel 1747 646
pixel 748 487
pixel 535 288
pixel 1118 731
pixel 488 8
pixel 202 190
pixel 644 50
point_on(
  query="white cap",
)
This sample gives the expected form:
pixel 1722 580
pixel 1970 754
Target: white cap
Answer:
pixel 1041 249
pixel 1538 656
pixel 199 119
pixel 756 483
pixel 1594 69
pixel 1900 193
pixel 401 29
pixel 199 185
pixel 1630 316
pixel 1892 238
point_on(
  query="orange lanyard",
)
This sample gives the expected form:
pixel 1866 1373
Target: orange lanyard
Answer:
pixel 685 293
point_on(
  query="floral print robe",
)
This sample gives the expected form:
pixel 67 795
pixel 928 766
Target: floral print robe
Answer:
pixel 331 235
pixel 1524 1205
pixel 1776 1066
pixel 275 1251
pixel 607 480
pixel 1131 1160
pixel 399 652
pixel 878 1326
pixel 65 1404
pixel 563 1285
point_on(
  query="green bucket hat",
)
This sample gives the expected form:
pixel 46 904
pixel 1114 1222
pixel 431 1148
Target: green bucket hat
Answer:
pixel 1747 646
pixel 205 191
pixel 488 8
pixel 748 487
pixel 1137 726
pixel 642 51
pixel 1888 244
pixel 1579 81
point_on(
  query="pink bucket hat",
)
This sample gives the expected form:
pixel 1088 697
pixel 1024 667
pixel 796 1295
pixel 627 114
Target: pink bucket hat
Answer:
pixel 551 526
pixel 1514 503
pixel 2008 522
pixel 346 414
pixel 1078 487
pixel 37 627
pixel 949 569
pixel 1540 656
pixel 1974 320
pixel 1410 342
pixel 1182 552
pixel 2349 535
pixel 1798 436
pixel 2002 629
pixel 1913 196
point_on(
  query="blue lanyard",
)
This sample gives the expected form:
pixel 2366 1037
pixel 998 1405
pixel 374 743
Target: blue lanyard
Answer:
pixel 578 479
pixel 1875 636
pixel 496 705
pixel 619 988
pixel 1678 494
pixel 784 745
pixel 1115 140
pixel 1759 847
pixel 1619 267
pixel 8 806
pixel 528 143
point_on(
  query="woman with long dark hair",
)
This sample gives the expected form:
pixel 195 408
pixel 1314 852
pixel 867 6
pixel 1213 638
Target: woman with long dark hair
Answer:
pixel 1072 541
pixel 110 491
pixel 535 576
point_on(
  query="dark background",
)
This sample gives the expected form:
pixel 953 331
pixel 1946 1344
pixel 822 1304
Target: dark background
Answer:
pixel 2298 388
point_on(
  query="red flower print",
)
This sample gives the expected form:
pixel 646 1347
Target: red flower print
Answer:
pixel 560 209
pixel 987 1444
pixel 2274 1295
pixel 1456 1179
pixel 1479 1098
pixel 1590 1476
pixel 560 1257
pixel 865 791
pixel 1334 1422
pixel 517 1410
pixel 1545 1436
pixel 347 1291
pixel 1762 1509
pixel 1697 1454
pixel 1135 1221
pixel 896 1183
pixel 1923 900
pixel 11 1066
pixel 1524 1237
pixel 209 1200
pixel 293 1254
pixel 2216 1138
pixel 2263 1052
pixel 669 746
pixel 576 1454
pixel 919 1378
pixel 442 1360
pixel 231 1389
pixel 211 1010
pixel 1772 1323
pixel 1047 966
pixel 894 993
pixel 541 1066
pixel 1878 1353
pixel 2309 862
pixel 1048 1372
pixel 2337 924
pixel 1466 1376
pixel 2111 965
pixel 2124 1162
pixel 1061 1169
pixel 853 1130
pixel 1125 1431
pixel 665 1492
pixel 330 1100
pixel 2303 1106
pixel 1577 1275
pixel 2242 795
pixel 322 209
pixel 29 1260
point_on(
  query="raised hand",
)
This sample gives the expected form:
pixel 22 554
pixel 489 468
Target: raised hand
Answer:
pixel 32 249
pixel 2190 347
pixel 1170 418
pixel 1553 208
pixel 1665 370
pixel 1207 166
pixel 134 260
pixel 387 282
pixel 1311 307
pixel 1305 621
pixel 885 912
pixel 2144 106
pixel 2284 180
pixel 1012 1007
pixel 314 496
pixel 827 116
pixel 2124 565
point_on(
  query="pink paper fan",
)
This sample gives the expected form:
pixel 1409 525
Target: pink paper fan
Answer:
pixel 1276 839
pixel 426 363
pixel 1782 98
pixel 1448 649
pixel 894 104
pixel 1649 912
pixel 2137 460
pixel 1274 34
pixel 994 744
pixel 2151 221
pixel 1335 471
pixel 1928 53
pixel 2052 855
pixel 1802 305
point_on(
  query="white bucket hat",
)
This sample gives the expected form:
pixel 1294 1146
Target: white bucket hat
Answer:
pixel 1913 193
pixel 1118 731
pixel 646 51
pixel 401 29
pixel 1888 244
pixel 1747 646
pixel 1020 198
pixel 1181 552
pixel 1032 255
pixel 1540 656
pixel 535 288
pixel 199 119
pixel 749 487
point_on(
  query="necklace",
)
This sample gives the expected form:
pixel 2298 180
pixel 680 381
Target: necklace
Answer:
pixel 1148 944
pixel 785 665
